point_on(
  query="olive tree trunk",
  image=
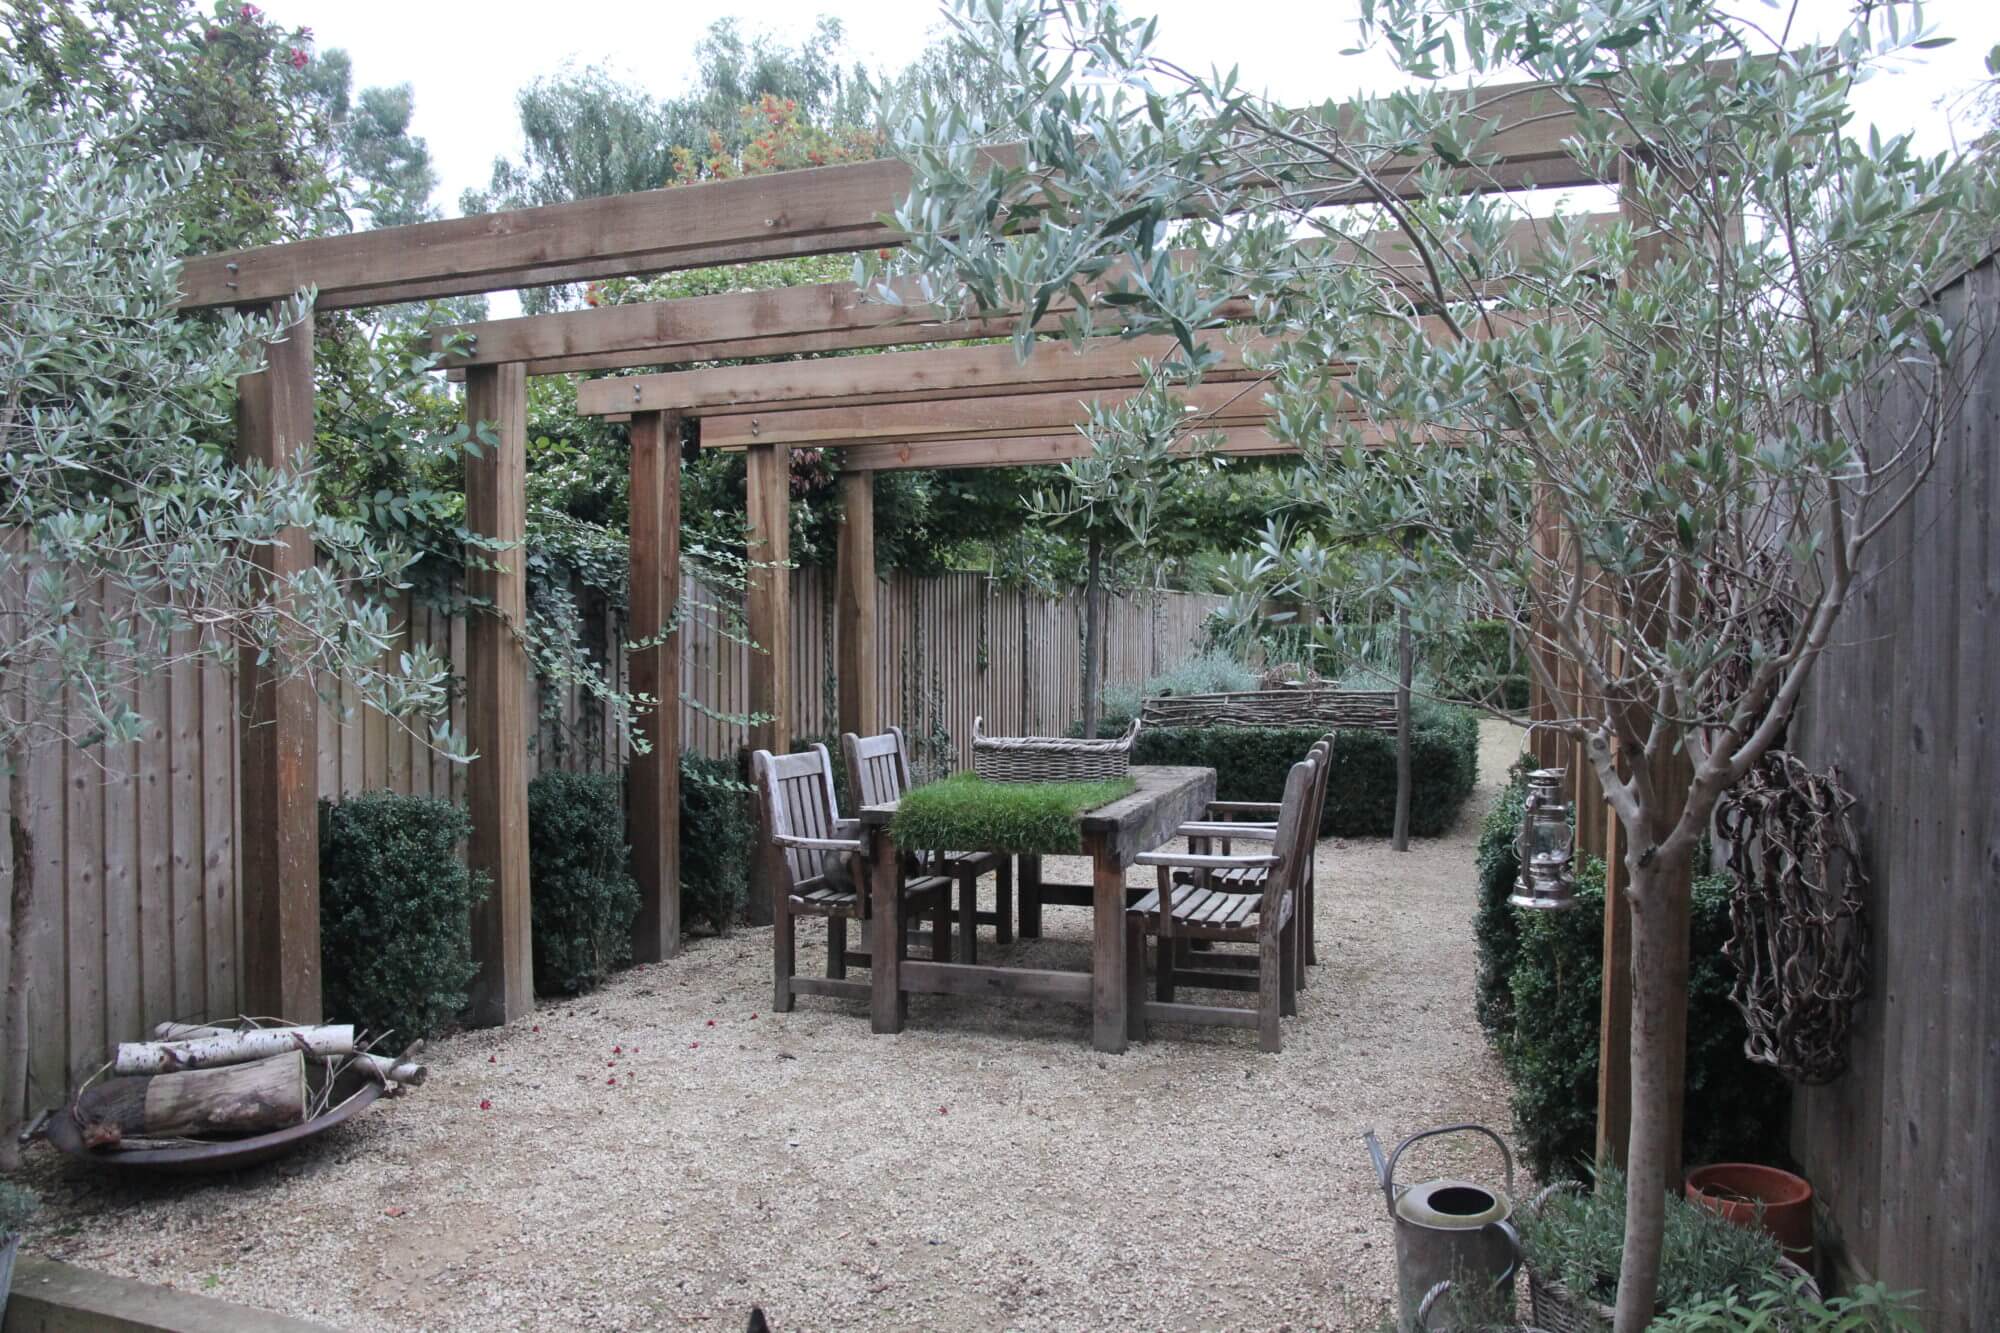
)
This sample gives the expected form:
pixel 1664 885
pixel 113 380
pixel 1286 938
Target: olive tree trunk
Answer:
pixel 1658 887
pixel 1405 670
pixel 1093 635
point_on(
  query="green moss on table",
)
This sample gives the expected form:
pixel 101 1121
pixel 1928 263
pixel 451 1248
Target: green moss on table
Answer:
pixel 966 812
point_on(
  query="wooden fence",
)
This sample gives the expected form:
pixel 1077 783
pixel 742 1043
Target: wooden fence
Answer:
pixel 135 916
pixel 1904 1148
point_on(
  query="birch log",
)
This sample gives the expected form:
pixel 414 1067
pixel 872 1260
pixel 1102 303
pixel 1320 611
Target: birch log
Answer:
pixel 236 1099
pixel 393 1072
pixel 230 1048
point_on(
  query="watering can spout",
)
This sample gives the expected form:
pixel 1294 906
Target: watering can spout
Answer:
pixel 1381 1165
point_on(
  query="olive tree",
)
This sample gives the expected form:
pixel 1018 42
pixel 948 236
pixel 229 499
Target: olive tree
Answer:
pixel 128 534
pixel 1649 444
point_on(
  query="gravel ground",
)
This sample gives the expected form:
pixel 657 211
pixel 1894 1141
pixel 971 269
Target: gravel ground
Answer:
pixel 666 1152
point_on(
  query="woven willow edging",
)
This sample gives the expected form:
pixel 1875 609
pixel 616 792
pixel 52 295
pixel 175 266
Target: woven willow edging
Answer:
pixel 1050 758
pixel 1375 709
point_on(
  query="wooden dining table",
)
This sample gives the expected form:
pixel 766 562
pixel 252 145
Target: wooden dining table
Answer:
pixel 1112 836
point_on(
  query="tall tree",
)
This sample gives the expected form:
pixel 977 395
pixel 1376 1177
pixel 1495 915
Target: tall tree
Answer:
pixel 132 535
pixel 1693 420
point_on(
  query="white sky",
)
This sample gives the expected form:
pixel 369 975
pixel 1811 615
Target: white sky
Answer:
pixel 466 62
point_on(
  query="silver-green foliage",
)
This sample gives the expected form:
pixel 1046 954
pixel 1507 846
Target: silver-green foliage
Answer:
pixel 1690 396
pixel 128 535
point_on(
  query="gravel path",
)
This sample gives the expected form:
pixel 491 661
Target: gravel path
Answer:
pixel 665 1153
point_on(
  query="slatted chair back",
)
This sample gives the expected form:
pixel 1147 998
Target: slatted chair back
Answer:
pixel 797 793
pixel 1294 837
pixel 878 767
pixel 1316 798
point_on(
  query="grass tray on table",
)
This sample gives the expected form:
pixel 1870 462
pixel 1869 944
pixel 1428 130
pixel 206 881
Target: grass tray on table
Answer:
pixel 966 812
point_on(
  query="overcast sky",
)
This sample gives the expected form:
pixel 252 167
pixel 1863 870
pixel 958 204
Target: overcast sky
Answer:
pixel 466 62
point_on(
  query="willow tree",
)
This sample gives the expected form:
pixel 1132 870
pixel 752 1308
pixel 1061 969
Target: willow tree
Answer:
pixel 1683 397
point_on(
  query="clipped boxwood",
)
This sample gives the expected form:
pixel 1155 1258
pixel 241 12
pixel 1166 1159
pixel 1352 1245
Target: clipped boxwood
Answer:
pixel 581 891
pixel 1476 663
pixel 1250 764
pixel 718 840
pixel 1540 977
pixel 395 912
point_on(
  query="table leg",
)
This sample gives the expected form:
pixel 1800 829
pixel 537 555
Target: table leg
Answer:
pixel 888 1003
pixel 1031 897
pixel 1107 949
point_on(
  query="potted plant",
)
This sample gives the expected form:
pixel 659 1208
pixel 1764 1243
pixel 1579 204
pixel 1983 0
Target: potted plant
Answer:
pixel 1760 1196
pixel 17 1206
pixel 1797 1308
pixel 1572 1240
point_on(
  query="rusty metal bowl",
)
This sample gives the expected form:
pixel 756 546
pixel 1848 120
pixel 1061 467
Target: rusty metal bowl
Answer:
pixel 354 1093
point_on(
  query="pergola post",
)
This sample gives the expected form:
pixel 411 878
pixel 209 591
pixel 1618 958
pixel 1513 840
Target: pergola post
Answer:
pixel 496 697
pixel 277 742
pixel 854 608
pixel 654 791
pixel 767 501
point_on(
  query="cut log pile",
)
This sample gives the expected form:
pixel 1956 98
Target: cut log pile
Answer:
pixel 210 1081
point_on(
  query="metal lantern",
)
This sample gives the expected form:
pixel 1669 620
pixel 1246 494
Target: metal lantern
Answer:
pixel 1547 880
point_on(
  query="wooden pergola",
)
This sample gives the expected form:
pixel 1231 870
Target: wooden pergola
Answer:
pixel 931 408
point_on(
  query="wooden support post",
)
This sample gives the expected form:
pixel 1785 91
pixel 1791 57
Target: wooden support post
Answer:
pixel 767 501
pixel 855 606
pixel 654 794
pixel 496 698
pixel 279 737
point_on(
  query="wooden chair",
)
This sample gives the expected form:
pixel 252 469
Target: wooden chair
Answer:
pixel 1265 914
pixel 816 869
pixel 1230 820
pixel 878 771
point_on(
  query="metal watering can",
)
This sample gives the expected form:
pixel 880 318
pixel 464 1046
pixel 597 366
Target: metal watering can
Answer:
pixel 1448 1231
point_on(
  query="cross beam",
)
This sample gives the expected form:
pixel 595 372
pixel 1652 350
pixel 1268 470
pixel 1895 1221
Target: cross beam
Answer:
pixel 821 211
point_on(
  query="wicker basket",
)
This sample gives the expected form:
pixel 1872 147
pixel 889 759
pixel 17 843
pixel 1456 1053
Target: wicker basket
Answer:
pixel 1554 1307
pixel 1049 758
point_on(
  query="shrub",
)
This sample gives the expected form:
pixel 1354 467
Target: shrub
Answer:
pixel 395 911
pixel 18 1206
pixel 582 894
pixel 1798 1308
pixel 1578 1236
pixel 1211 672
pixel 1550 1025
pixel 1496 927
pixel 718 838
pixel 1475 663
pixel 1250 764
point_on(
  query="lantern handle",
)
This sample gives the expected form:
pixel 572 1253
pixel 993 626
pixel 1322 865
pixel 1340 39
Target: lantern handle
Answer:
pixel 1388 1168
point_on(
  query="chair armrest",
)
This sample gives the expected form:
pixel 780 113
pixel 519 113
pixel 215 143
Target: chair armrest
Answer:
pixel 1247 832
pixel 817 844
pixel 1195 861
pixel 1244 807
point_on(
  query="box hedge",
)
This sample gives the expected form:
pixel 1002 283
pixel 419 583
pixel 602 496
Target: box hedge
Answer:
pixel 1540 976
pixel 1250 764
pixel 395 912
pixel 718 840
pixel 581 891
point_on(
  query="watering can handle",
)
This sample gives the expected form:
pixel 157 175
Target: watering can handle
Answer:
pixel 1388 1169
pixel 1506 1229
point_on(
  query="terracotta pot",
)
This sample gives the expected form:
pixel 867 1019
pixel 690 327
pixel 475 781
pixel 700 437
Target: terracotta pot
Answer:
pixel 1760 1196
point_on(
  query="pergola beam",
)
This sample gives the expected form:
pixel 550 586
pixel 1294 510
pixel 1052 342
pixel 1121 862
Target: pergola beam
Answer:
pixel 1032 450
pixel 1210 405
pixel 826 210
pixel 797 321
pixel 936 375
